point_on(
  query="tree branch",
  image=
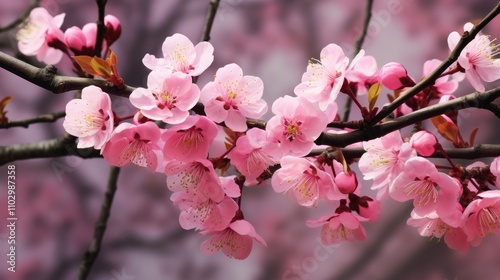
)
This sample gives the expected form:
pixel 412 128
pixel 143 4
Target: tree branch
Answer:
pixel 20 19
pixel 101 28
pixel 40 119
pixel 467 37
pixel 48 79
pixel 63 146
pixel 357 48
pixel 212 10
pixel 100 226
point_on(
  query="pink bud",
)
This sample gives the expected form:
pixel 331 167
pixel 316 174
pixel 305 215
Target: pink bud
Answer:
pixel 113 29
pixel 346 182
pixel 369 208
pixel 423 142
pixel 394 76
pixel 75 39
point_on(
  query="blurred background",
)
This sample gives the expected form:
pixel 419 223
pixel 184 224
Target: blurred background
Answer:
pixel 58 199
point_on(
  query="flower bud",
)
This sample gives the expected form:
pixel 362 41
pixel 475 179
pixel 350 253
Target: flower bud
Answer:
pixel 346 182
pixel 394 76
pixel 75 39
pixel 369 208
pixel 423 142
pixel 113 29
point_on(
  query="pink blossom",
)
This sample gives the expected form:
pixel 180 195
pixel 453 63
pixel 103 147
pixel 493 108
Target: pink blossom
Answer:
pixel 232 97
pixel 196 179
pixel 384 160
pixel 324 77
pixel 430 190
pixel 423 142
pixel 368 207
pixel 346 182
pixel 81 41
pixel 230 187
pixel 189 140
pixel 477 58
pixel 339 227
pixel 133 143
pixel 296 124
pixel 113 29
pixel 235 241
pixel 394 76
pixel 180 55
pixel 306 182
pixel 253 154
pixel 41 34
pixel 495 170
pixel 90 118
pixel 443 85
pixel 432 225
pixel 168 98
pixel 364 73
pixel 482 216
pixel 205 214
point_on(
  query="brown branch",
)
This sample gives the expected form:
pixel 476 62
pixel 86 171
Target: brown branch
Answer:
pixel 467 37
pixel 48 79
pixel 40 119
pixel 21 18
pixel 212 10
pixel 101 28
pixel 63 146
pixel 100 226
pixel 357 48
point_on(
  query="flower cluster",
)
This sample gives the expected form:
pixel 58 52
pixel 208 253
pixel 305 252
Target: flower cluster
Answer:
pixel 460 203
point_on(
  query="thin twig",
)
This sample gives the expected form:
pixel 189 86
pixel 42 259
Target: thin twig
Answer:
pixel 40 119
pixel 47 78
pixel 357 48
pixel 212 10
pixel 21 18
pixel 467 37
pixel 100 226
pixel 101 28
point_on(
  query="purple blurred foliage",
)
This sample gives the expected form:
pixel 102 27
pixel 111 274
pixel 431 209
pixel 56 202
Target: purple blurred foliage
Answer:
pixel 272 39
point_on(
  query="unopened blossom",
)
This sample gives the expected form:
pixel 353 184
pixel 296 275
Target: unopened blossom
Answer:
pixel 204 214
pixel 423 142
pixel 168 98
pixel 482 216
pixel 253 154
pixel 384 160
pixel 81 41
pixel 90 118
pixel 133 143
pixel 394 76
pixel 41 36
pixel 296 124
pixel 346 182
pixel 235 241
pixel 180 55
pixel 432 225
pixel 430 189
pixel 113 29
pixel 478 58
pixel 189 140
pixel 232 97
pixel 339 227
pixel 323 78
pixel 196 179
pixel 301 179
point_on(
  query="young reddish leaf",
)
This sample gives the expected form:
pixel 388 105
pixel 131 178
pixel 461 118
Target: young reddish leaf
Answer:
pixel 3 113
pixel 373 94
pixel 473 136
pixel 85 63
pixel 97 66
pixel 446 128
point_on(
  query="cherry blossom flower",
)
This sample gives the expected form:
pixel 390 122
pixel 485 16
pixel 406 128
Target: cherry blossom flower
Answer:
pixel 196 179
pixel 42 36
pixel 180 55
pixel 113 29
pixel 477 58
pixel 168 98
pixel 205 214
pixel 235 241
pixel 364 73
pixel 394 76
pixel 296 124
pixel 324 77
pixel 232 97
pixel 423 142
pixel 189 140
pixel 482 216
pixel 253 154
pixel 432 225
pixel 346 182
pixel 495 170
pixel 81 41
pixel 384 160
pixel 339 227
pixel 443 85
pixel 430 190
pixel 306 182
pixel 133 143
pixel 90 118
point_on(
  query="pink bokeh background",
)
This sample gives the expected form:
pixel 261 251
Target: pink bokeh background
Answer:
pixel 58 199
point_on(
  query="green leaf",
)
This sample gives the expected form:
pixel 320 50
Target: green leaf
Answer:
pixel 373 94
